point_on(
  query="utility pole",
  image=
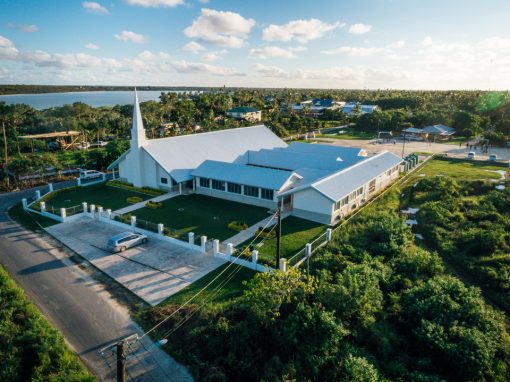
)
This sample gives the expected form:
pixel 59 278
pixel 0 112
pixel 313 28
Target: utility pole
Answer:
pixel 121 362
pixel 403 145
pixel 278 235
pixel 6 154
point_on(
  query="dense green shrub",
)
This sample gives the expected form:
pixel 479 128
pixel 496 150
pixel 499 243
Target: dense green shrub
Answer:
pixel 153 205
pixel 237 225
pixel 134 200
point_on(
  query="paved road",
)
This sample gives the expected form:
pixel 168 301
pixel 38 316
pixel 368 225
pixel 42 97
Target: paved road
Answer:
pixel 79 306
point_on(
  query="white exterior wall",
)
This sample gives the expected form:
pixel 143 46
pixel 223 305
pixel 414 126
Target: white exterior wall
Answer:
pixel 312 205
pixel 143 171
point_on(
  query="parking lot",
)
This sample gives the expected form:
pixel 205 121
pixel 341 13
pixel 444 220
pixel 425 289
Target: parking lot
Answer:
pixel 153 271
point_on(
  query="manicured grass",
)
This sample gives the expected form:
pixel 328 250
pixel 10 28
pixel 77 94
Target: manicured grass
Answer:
pixel 461 169
pixel 350 133
pixel 202 215
pixel 296 233
pixel 29 220
pixel 98 194
pixel 214 294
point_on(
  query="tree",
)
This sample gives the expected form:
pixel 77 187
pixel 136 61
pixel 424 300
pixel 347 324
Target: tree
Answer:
pixel 467 124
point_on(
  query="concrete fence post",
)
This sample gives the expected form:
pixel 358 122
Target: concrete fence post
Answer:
pixel 37 194
pixel 203 240
pixel 109 214
pixel 133 221
pixel 329 233
pixel 230 250
pixel 103 176
pixel 50 187
pixel 254 256
pixel 161 229
pixel 84 205
pixel 191 238
pixel 63 213
pixel 78 181
pixel 216 246
pixel 100 212
pixel 43 206
pixel 283 265
pixel 24 203
pixel 308 250
pixel 92 208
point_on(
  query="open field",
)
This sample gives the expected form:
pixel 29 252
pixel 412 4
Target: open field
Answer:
pixel 350 133
pixel 98 194
pixel 202 215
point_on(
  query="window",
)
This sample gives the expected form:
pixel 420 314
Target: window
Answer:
pixel 371 186
pixel 164 180
pixel 218 185
pixel 234 187
pixel 251 191
pixel 352 196
pixel 344 201
pixel 204 182
pixel 337 206
pixel 359 191
pixel 267 194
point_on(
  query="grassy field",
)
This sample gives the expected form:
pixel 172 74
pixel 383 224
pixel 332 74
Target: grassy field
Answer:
pixel 350 133
pixel 296 233
pixel 98 194
pixel 202 215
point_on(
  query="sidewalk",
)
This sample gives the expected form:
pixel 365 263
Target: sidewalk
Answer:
pixel 139 205
pixel 249 232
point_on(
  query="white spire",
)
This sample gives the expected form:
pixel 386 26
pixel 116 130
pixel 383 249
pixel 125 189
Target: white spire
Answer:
pixel 137 130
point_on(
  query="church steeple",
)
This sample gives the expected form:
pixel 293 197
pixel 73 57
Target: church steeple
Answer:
pixel 138 138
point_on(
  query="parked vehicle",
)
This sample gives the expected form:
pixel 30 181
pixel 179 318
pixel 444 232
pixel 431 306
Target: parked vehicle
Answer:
pixel 125 240
pixel 90 174
pixel 83 146
pixel 493 157
pixel 508 145
pixel 471 155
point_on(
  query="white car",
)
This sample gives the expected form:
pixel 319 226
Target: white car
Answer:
pixel 90 174
pixel 471 155
pixel 125 240
pixel 493 157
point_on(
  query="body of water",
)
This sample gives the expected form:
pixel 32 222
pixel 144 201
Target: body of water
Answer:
pixel 94 99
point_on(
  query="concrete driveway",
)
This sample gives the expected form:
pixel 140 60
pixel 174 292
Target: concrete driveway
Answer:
pixel 153 271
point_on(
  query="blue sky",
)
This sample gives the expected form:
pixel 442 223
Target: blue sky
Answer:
pixel 280 43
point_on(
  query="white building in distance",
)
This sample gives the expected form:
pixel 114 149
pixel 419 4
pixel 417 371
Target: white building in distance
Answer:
pixel 252 165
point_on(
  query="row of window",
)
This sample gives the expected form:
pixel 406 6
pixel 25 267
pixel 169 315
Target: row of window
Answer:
pixel 236 188
pixel 350 198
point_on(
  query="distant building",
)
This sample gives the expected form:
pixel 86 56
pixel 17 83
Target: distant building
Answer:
pixel 349 108
pixel 246 113
pixel 316 106
pixel 436 131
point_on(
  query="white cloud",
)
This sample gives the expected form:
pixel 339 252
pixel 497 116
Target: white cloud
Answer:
pixel 397 44
pixel 270 71
pixel 193 47
pixel 275 51
pixel 211 56
pixel 7 49
pixel 299 30
pixel 203 1
pixel 198 67
pixel 130 36
pixel 93 7
pixel 360 28
pixel 427 41
pixel 91 46
pixel 27 28
pixel 227 29
pixel 156 3
pixel 147 55
pixel 354 51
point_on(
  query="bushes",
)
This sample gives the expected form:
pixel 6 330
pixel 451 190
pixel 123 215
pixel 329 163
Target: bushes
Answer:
pixel 129 186
pixel 134 200
pixel 237 225
pixel 153 205
pixel 266 233
pixel 30 349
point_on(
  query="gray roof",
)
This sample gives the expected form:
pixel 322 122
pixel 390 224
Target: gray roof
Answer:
pixel 243 174
pixel 344 182
pixel 349 154
pixel 182 154
pixel 413 130
pixel 439 130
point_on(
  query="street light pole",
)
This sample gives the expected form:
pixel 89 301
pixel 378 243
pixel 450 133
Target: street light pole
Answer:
pixel 278 235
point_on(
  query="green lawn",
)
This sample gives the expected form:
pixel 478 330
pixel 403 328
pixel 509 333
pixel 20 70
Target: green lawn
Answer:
pixel 214 294
pixel 202 215
pixel 98 194
pixel 350 133
pixel 460 169
pixel 296 233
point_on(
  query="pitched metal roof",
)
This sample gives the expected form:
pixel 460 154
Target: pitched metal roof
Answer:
pixel 439 130
pixel 340 184
pixel 117 161
pixel 242 109
pixel 349 154
pixel 180 155
pixel 243 174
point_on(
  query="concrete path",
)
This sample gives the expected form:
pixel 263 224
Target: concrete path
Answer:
pixel 80 307
pixel 139 205
pixel 249 232
pixel 153 271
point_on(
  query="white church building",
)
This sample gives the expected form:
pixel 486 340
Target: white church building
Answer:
pixel 254 166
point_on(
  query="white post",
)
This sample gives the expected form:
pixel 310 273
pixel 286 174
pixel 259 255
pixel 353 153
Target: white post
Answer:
pixel 37 194
pixel 84 206
pixel 78 181
pixel 216 246
pixel 180 188
pixel 283 265
pixel 100 212
pixel 113 174
pixel 230 250
pixel 161 229
pixel 255 256
pixel 191 238
pixel 25 203
pixel 203 240
pixel 308 250
pixel 43 206
pixel 50 185
pixel 103 176
pixel 92 208
pixel 133 222
pixel 109 214
pixel 63 213
pixel 329 231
